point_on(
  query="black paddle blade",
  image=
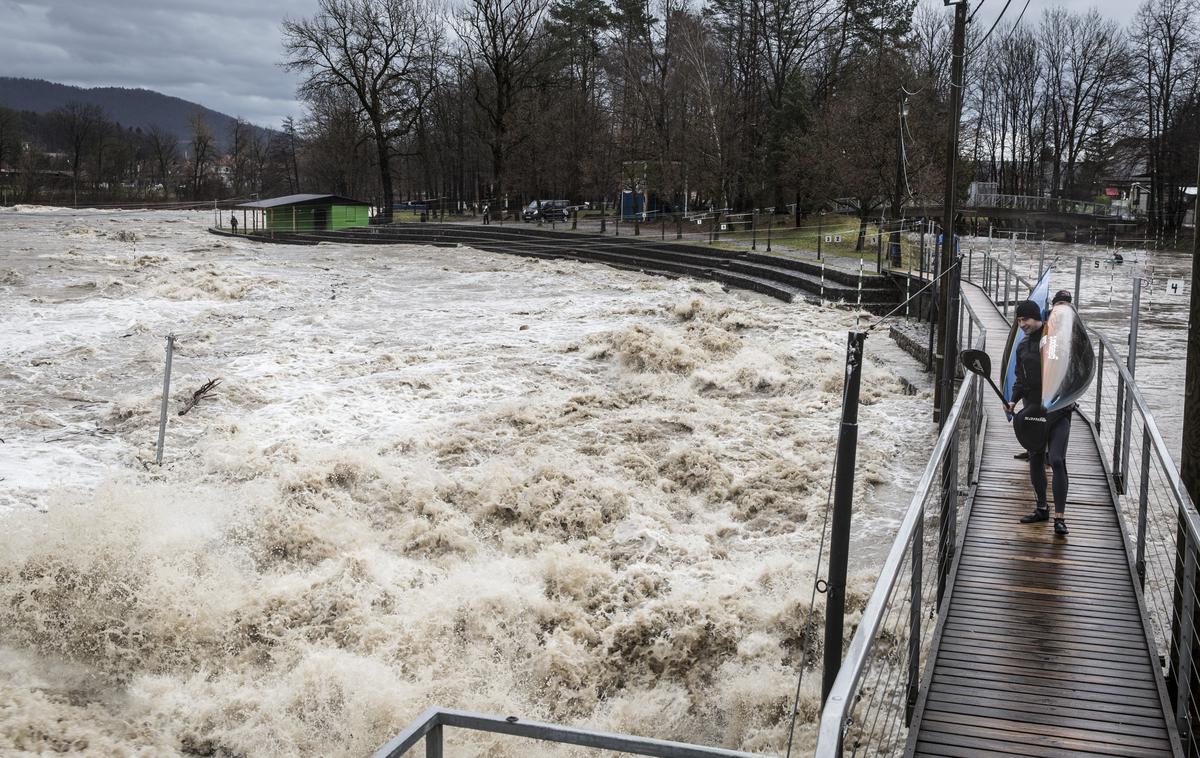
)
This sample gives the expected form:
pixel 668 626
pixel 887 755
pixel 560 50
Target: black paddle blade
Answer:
pixel 977 362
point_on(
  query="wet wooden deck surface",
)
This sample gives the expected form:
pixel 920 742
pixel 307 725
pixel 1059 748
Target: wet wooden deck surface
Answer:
pixel 1043 651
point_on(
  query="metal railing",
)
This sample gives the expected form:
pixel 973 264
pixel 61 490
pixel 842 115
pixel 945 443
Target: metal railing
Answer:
pixel 1158 520
pixel 1160 524
pixel 429 728
pixel 871 703
pixel 1051 204
pixel 1000 281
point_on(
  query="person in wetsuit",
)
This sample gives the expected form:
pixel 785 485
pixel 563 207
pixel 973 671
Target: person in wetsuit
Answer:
pixel 1028 390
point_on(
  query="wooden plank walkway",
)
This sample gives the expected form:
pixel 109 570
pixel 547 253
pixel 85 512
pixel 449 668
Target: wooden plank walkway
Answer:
pixel 1043 650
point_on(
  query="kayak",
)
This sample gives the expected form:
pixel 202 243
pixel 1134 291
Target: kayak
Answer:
pixel 1039 295
pixel 1068 365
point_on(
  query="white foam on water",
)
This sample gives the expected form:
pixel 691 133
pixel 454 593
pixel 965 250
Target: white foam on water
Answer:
pixel 429 477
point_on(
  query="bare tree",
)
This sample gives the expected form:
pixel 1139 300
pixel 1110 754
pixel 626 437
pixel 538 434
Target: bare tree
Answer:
pixel 240 135
pixel 505 41
pixel 383 52
pixel 1085 66
pixel 203 151
pixel 1164 43
pixel 164 151
pixel 78 123
pixel 10 136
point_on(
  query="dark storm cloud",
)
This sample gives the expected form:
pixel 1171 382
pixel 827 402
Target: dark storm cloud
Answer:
pixel 221 54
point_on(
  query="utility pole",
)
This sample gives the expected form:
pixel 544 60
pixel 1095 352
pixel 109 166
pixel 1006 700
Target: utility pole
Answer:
pixel 898 193
pixel 1189 467
pixel 947 321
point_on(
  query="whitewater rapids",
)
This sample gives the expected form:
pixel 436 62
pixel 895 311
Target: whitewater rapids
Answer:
pixel 428 477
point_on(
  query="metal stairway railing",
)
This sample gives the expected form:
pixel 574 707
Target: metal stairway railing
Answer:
pixel 871 703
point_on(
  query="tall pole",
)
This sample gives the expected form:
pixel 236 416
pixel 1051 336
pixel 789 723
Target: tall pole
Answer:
pixel 843 505
pixel 898 192
pixel 1189 468
pixel 944 363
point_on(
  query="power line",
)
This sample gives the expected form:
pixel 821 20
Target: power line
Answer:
pixel 1014 28
pixel 977 7
pixel 994 25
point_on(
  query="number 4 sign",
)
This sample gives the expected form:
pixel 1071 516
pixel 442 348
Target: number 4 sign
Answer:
pixel 1174 286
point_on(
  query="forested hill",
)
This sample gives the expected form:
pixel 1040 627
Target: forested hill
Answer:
pixel 131 108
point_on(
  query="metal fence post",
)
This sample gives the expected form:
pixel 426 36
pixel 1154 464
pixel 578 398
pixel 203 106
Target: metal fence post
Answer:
pixel 912 692
pixel 1078 279
pixel 879 247
pixel 1187 629
pixel 1131 364
pixel 166 394
pixel 1117 436
pixel 1143 498
pixel 433 742
pixel 971 432
pixel 947 519
pixel 1007 277
pixel 1099 380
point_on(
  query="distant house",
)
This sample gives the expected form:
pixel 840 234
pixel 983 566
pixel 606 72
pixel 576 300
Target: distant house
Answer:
pixel 304 213
pixel 1127 180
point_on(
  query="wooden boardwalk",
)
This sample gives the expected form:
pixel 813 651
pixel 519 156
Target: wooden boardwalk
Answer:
pixel 1043 650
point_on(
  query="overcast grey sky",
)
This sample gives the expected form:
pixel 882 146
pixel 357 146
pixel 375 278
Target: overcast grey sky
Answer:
pixel 223 53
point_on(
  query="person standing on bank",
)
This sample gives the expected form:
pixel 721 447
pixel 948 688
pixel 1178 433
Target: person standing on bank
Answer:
pixel 233 223
pixel 1028 390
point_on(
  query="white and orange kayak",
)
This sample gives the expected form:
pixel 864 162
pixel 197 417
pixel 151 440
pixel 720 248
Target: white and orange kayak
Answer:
pixel 1068 364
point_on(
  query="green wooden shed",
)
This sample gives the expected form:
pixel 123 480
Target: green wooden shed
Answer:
pixel 304 213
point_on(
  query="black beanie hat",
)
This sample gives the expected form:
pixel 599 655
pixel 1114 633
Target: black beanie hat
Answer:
pixel 1062 296
pixel 1029 309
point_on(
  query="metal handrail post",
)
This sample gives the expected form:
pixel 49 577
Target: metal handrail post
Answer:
pixel 1143 501
pixel 1007 277
pixel 946 516
pixel 1099 381
pixel 1078 280
pixel 1187 629
pixel 1117 435
pixel 913 688
pixel 433 742
pixel 1131 363
pixel 972 444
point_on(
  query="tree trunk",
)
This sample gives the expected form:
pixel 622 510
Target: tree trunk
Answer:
pixel 384 153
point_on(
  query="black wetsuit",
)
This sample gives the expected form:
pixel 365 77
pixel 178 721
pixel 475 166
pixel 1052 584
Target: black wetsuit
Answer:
pixel 1028 387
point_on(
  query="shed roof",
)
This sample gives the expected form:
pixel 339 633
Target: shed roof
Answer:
pixel 276 202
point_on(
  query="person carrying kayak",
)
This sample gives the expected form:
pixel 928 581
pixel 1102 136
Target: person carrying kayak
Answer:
pixel 1028 390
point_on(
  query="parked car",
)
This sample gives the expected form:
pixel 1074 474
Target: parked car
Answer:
pixel 551 210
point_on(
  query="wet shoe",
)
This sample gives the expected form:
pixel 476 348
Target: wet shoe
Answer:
pixel 1060 527
pixel 1039 514
pixel 1022 456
